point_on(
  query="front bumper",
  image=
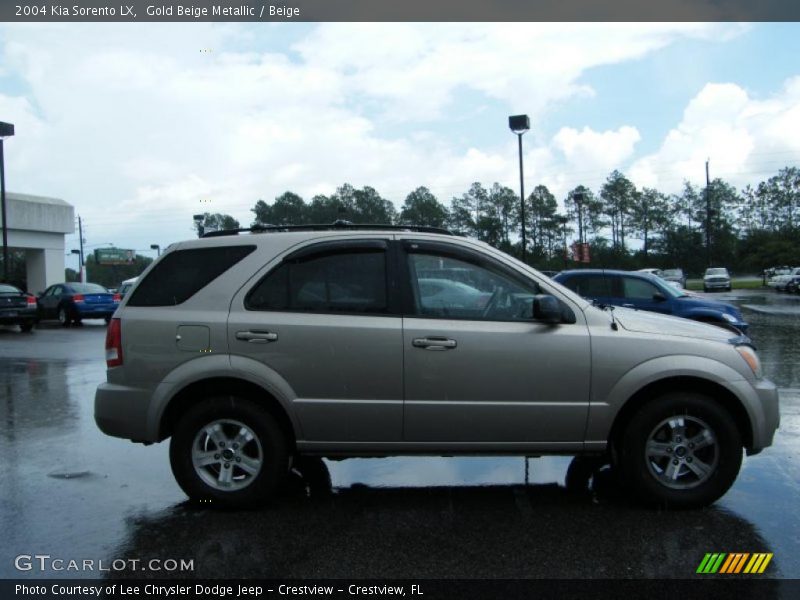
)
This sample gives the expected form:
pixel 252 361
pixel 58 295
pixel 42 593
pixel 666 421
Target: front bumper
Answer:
pixel 763 408
pixel 713 285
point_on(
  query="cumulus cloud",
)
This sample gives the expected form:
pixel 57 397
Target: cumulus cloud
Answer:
pixel 745 139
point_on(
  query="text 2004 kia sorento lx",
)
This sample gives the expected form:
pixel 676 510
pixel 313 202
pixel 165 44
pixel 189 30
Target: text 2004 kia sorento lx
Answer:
pixel 248 350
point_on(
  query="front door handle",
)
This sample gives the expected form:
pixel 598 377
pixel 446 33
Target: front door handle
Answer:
pixel 257 337
pixel 434 343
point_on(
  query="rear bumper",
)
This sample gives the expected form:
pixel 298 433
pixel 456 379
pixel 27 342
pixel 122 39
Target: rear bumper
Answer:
pixel 13 316
pixel 121 411
pixel 95 312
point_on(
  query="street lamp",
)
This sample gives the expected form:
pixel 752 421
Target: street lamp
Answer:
pixel 6 130
pixel 198 220
pixel 519 124
pixel 157 248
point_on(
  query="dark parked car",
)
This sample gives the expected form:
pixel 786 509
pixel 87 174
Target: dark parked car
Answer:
pixel 647 292
pixel 17 307
pixel 73 302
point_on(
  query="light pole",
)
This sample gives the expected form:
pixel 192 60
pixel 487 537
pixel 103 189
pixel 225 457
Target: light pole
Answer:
pixel 157 248
pixel 519 124
pixel 6 130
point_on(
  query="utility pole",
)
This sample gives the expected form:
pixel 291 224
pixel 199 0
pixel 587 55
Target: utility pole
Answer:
pixel 80 239
pixel 708 218
pixel 5 218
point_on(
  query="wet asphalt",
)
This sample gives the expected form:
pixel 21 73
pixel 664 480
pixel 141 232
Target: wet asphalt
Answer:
pixel 70 492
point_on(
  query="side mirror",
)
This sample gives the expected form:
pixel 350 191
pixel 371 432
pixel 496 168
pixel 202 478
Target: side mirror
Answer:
pixel 546 309
pixel 659 297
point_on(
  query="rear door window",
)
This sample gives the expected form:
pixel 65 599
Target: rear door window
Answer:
pixel 183 273
pixel 350 280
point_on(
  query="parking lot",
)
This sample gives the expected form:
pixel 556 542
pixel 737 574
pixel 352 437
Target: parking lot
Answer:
pixel 69 491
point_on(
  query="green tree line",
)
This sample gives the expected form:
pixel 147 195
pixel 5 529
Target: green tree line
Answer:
pixel 625 226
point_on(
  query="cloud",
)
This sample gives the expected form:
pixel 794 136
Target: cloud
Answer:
pixel 746 139
pixel 135 125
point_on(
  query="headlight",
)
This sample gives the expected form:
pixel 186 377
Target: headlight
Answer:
pixel 751 358
pixel 729 318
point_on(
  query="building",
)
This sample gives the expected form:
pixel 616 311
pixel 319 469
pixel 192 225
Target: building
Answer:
pixel 37 225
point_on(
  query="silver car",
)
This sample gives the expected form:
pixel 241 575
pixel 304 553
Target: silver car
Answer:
pixel 251 350
pixel 716 278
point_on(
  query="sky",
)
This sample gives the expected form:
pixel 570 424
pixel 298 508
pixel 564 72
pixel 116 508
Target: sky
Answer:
pixel 140 126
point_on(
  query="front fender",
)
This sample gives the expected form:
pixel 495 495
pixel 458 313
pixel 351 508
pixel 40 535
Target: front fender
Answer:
pixel 602 413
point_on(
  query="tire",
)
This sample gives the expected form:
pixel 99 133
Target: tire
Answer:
pixel 264 451
pixel 705 289
pixel 655 478
pixel 26 327
pixel 64 316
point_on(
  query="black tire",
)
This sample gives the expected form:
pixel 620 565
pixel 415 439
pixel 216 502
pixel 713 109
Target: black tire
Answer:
pixel 26 327
pixel 687 489
pixel 64 316
pixel 269 438
pixel 705 289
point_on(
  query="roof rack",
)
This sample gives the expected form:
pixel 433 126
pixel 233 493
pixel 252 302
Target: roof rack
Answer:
pixel 337 225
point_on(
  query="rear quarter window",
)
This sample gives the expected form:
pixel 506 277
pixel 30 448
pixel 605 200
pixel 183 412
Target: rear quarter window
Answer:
pixel 183 273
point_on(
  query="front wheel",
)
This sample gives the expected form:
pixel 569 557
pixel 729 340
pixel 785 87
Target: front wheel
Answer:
pixel 681 450
pixel 229 452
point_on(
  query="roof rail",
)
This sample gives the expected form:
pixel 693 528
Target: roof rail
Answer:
pixel 338 225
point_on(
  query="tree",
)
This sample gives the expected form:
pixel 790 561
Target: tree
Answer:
pixel 215 222
pixel 370 208
pixel 618 195
pixel 464 211
pixel 540 211
pixel 648 213
pixel 288 209
pixel 422 208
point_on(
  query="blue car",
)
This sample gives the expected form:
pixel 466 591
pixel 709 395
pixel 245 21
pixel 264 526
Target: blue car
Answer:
pixel 72 302
pixel 648 292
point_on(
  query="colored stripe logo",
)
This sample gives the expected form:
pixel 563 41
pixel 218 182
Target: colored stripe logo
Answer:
pixel 734 563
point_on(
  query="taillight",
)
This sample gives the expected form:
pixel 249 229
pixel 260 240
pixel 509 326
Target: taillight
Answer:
pixel 78 298
pixel 117 297
pixel 114 344
pixel 31 301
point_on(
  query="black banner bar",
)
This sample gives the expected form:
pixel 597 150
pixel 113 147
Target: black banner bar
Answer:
pixel 724 588
pixel 67 11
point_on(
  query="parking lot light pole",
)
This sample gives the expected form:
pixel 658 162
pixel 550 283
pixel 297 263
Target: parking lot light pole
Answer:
pixel 6 130
pixel 519 124
pixel 157 248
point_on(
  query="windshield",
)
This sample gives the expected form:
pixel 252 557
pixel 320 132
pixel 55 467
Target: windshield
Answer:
pixel 672 273
pixel 716 271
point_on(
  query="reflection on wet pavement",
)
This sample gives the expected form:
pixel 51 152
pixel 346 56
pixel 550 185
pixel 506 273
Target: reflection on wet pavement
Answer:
pixel 71 492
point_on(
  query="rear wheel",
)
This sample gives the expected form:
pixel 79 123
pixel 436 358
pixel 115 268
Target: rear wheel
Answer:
pixel 228 452
pixel 26 327
pixel 64 316
pixel 681 450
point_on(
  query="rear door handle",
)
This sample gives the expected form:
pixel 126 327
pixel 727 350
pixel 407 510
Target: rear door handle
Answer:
pixel 434 343
pixel 257 337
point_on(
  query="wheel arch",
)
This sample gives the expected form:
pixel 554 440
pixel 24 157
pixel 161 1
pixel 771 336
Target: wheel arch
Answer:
pixel 687 383
pixel 223 386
